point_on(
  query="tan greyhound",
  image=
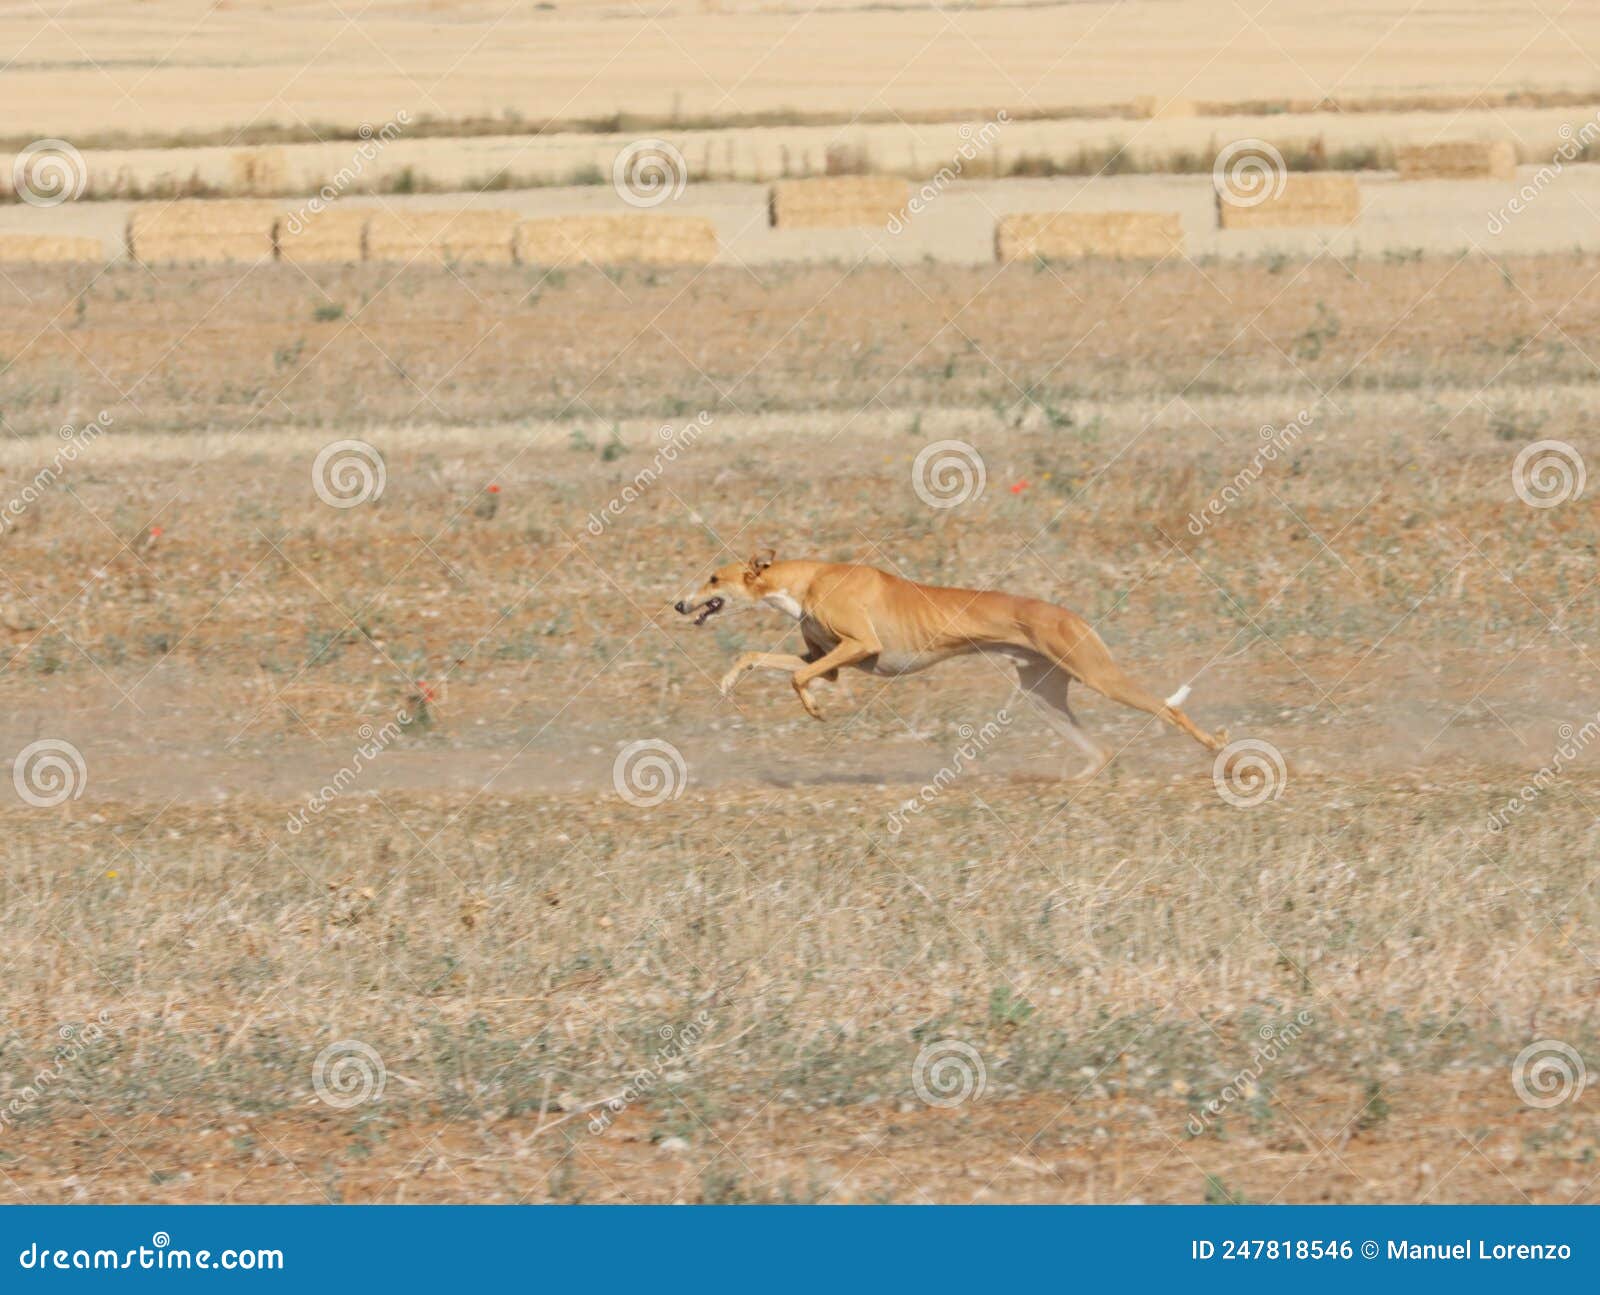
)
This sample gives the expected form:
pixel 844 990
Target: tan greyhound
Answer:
pixel 871 620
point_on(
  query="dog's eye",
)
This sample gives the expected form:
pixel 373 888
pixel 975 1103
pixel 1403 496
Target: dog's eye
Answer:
pixel 714 579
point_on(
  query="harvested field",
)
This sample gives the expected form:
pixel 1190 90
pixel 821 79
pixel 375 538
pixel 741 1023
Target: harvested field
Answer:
pixel 238 887
pixel 1138 235
pixel 457 59
pixel 389 820
pixel 218 351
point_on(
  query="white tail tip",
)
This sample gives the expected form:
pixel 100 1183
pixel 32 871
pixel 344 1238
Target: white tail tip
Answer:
pixel 1179 697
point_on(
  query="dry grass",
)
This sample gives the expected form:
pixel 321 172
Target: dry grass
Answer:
pixel 513 960
pixel 511 937
pixel 208 350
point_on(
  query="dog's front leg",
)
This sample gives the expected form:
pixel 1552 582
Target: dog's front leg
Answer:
pixel 748 661
pixel 848 652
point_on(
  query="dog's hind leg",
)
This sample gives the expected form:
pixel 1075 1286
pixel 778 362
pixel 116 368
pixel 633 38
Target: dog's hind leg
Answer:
pixel 1117 686
pixel 1082 655
pixel 1046 686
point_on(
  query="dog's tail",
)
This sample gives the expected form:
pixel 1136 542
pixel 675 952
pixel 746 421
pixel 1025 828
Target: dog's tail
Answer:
pixel 1181 696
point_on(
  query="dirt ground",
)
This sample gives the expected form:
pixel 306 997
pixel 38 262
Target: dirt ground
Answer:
pixel 360 894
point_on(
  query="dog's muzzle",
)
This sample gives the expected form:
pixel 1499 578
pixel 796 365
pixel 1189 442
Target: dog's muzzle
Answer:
pixel 707 609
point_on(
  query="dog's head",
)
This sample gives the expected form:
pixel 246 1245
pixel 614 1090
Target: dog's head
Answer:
pixel 739 584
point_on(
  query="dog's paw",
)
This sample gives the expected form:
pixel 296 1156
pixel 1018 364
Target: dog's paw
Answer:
pixel 726 683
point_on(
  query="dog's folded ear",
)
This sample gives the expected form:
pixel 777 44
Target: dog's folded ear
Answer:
pixel 759 562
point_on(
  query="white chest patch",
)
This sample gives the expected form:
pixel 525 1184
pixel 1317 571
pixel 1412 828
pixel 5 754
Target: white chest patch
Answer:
pixel 784 601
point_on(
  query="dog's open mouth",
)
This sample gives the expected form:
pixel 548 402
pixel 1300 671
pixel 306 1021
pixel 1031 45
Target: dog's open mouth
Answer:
pixel 711 608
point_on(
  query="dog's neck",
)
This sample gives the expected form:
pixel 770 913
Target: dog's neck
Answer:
pixel 784 586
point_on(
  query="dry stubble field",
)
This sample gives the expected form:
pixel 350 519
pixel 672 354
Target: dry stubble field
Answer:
pixel 515 941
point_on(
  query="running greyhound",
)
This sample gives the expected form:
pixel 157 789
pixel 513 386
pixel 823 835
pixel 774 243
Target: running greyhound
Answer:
pixel 871 620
